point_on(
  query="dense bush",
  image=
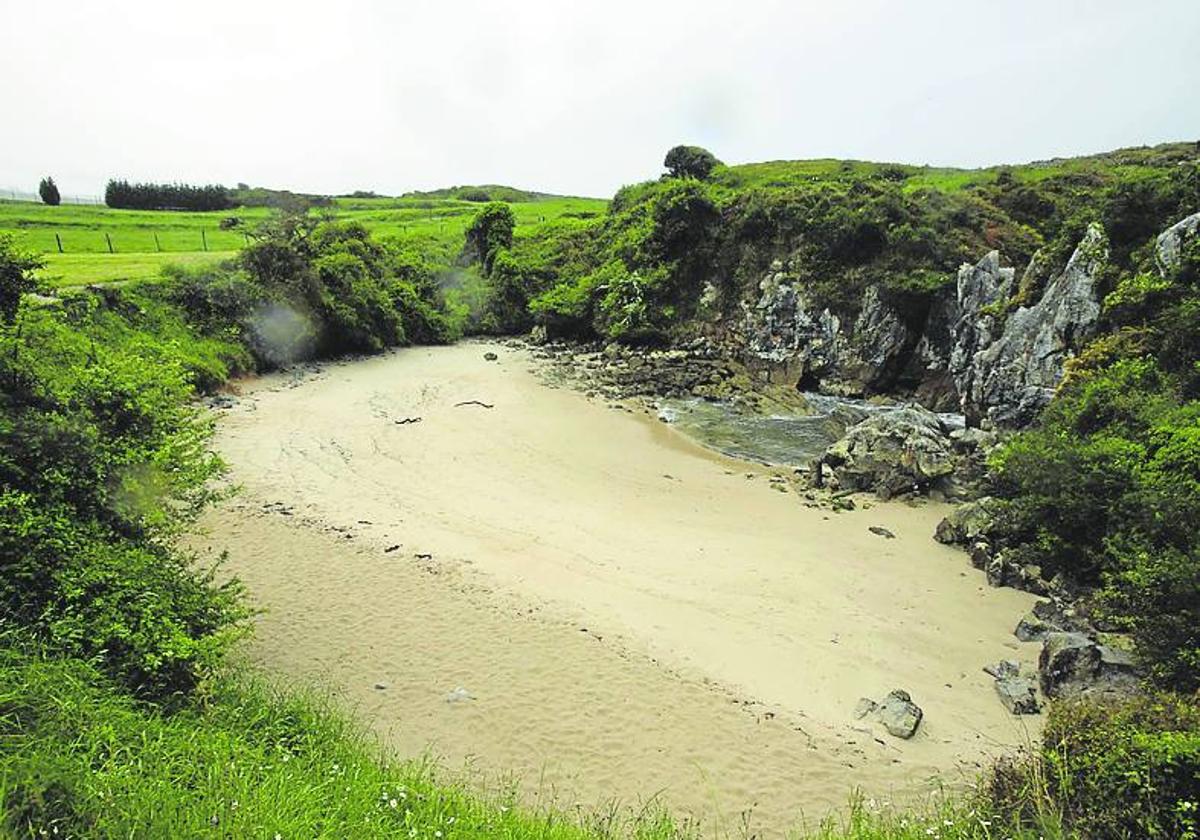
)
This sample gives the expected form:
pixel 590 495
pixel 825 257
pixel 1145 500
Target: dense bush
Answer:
pixel 102 460
pixel 16 277
pixel 48 191
pixel 490 232
pixel 353 292
pixel 1111 771
pixel 124 195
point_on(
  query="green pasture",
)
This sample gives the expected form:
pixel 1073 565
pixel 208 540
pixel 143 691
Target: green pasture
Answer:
pixel 85 244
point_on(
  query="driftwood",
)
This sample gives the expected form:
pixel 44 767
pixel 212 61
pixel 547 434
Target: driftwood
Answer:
pixel 474 402
pixel 405 421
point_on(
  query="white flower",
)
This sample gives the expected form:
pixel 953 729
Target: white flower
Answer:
pixel 393 803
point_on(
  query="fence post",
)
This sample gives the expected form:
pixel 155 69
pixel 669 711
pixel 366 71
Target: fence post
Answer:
pixel 109 240
pixel 157 244
pixel 58 239
pixel 203 239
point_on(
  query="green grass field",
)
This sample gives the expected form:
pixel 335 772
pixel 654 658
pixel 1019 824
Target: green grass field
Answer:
pixel 143 241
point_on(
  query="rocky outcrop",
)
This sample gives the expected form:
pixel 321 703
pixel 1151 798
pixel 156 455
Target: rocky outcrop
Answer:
pixel 999 367
pixel 784 328
pixel 1011 379
pixel 1168 249
pixel 893 452
pixel 1074 665
pixel 982 289
pixel 879 345
pixel 810 347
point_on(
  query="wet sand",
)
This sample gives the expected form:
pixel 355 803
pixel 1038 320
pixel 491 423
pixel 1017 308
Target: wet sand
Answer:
pixel 633 616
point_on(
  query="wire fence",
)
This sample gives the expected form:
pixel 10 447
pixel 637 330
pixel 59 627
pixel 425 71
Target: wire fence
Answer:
pixel 134 240
pixel 20 195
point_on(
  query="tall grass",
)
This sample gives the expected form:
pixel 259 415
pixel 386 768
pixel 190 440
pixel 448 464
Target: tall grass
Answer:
pixel 79 758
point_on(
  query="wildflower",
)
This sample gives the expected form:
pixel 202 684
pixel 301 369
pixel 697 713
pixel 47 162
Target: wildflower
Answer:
pixel 393 803
pixel 278 836
pixel 233 805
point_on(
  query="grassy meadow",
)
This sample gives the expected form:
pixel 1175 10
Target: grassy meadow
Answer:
pixel 143 241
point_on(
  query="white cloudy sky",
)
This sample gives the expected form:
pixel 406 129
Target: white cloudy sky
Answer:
pixel 573 97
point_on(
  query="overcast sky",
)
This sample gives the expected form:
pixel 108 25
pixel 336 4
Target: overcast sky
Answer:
pixel 570 97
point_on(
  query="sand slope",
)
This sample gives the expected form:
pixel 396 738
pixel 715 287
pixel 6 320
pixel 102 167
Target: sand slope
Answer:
pixel 631 614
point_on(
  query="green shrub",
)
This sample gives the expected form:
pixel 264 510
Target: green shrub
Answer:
pixel 1112 771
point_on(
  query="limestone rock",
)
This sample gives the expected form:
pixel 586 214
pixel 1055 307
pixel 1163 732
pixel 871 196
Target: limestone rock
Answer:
pixel 1168 249
pixel 981 288
pixel 786 329
pixel 1018 694
pixel 892 452
pixel 897 712
pixel 880 344
pixel 1010 380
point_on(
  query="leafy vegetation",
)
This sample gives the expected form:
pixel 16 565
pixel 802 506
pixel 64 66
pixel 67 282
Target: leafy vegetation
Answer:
pixel 677 250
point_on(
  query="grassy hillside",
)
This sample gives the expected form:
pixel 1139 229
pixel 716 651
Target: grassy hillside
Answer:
pixel 144 241
pixel 641 271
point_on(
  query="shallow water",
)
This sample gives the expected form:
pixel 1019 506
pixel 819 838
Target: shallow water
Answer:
pixel 775 439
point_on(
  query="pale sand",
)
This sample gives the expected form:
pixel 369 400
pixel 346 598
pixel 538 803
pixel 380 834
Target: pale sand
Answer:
pixel 729 629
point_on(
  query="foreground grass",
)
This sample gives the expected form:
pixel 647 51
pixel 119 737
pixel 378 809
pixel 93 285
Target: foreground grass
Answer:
pixel 81 759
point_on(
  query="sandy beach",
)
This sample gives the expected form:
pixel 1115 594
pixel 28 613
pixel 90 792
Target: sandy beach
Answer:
pixel 628 614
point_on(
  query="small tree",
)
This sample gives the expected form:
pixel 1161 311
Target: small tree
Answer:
pixel 48 190
pixel 690 162
pixel 491 230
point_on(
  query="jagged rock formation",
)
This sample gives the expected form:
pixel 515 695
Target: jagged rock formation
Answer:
pixel 788 331
pixel 1011 379
pixel 999 369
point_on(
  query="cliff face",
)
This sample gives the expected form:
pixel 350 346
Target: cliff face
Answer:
pixel 973 352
